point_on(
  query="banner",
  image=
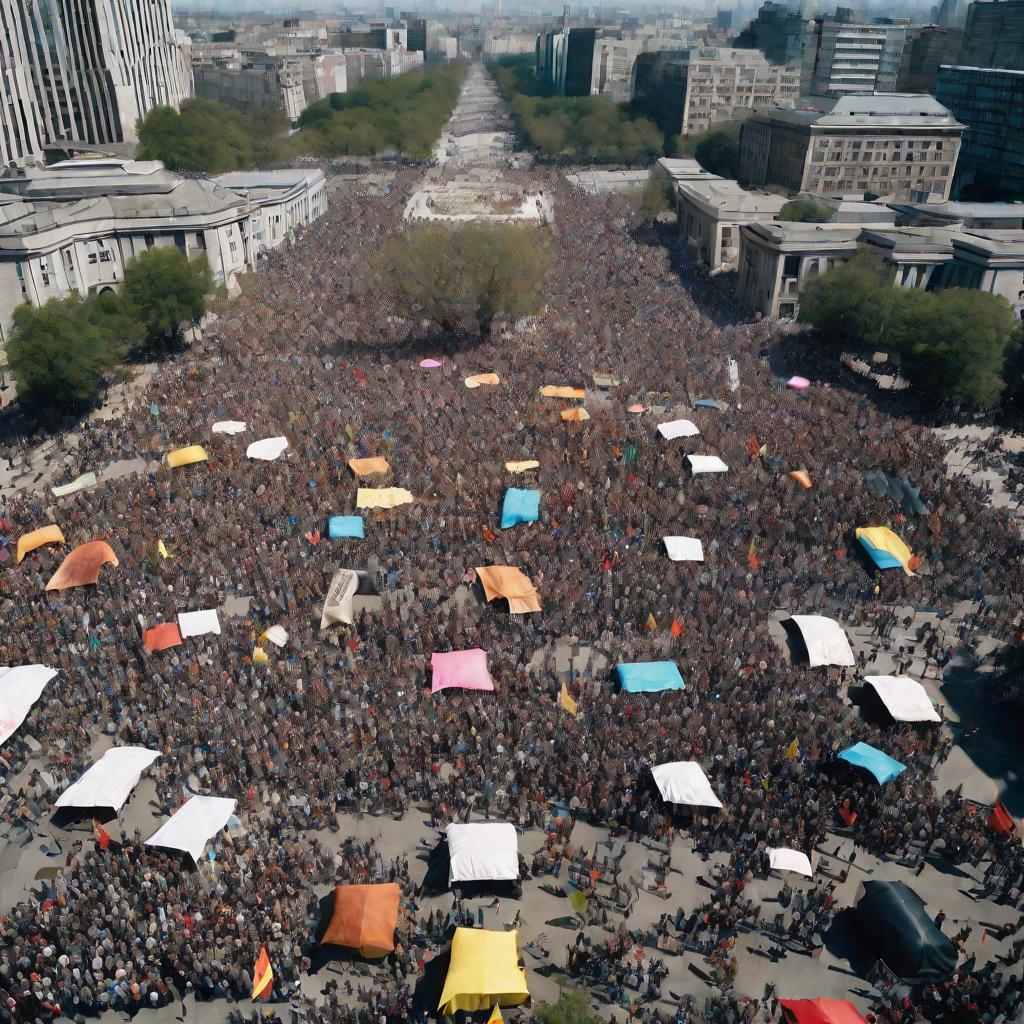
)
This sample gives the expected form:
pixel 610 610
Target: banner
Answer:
pixel 338 603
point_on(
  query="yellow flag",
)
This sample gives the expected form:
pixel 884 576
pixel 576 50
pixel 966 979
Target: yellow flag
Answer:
pixel 566 701
pixel 495 1017
pixel 652 622
pixel 164 553
pixel 792 750
pixel 259 656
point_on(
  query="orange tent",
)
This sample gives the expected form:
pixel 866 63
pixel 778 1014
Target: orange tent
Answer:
pixel 82 566
pixel 577 415
pixel 364 918
pixel 510 583
pixel 802 477
pixel 367 467
pixel 159 638
pixel 1000 821
pixel 36 539
pixel 820 1011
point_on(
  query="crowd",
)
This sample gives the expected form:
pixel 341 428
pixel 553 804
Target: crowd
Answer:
pixel 344 719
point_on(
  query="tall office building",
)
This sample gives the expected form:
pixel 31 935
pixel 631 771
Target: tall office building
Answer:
pixel 928 48
pixel 994 35
pixel 777 32
pixel 19 114
pixel 843 57
pixel 96 66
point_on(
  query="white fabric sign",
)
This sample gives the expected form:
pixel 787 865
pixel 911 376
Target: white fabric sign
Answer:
pixel 268 449
pixel 193 825
pixel 82 483
pixel 904 698
pixel 198 623
pixel 684 782
pixel 338 603
pixel 707 464
pixel 277 635
pixel 109 782
pixel 229 427
pixel 20 688
pixel 825 640
pixel 483 851
pixel 784 859
pixel 684 549
pixel 678 428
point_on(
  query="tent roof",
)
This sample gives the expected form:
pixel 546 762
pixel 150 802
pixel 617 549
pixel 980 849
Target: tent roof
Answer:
pixel 345 526
pixel 484 971
pixel 20 687
pixel 822 1011
pixel 193 825
pixel 229 427
pixel 521 505
pixel 882 766
pixel 783 859
pixel 364 918
pixel 82 566
pixel 650 676
pixel 268 449
pixel 383 497
pixel 28 542
pixel 824 639
pixel 109 782
pixel 684 549
pixel 482 851
pixel 904 698
pixel 466 670
pixel 707 464
pixel 678 428
pixel 684 782
pixel 187 456
pixel 510 583
pixel 199 623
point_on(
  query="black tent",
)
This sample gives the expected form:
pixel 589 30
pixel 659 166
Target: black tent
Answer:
pixel 893 919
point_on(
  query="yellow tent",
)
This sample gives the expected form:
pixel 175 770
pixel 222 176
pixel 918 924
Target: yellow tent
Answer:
pixel 382 497
pixel 187 456
pixel 558 391
pixel 36 539
pixel 523 466
pixel 886 549
pixel 484 971
pixel 575 415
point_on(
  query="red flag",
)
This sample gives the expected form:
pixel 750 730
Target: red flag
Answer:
pixel 677 628
pixel 753 446
pixel 262 975
pixel 752 560
pixel 102 835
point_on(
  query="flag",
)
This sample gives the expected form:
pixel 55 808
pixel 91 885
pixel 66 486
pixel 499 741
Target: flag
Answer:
pixel 752 560
pixel 792 750
pixel 161 550
pixel 495 1017
pixel 259 656
pixel 677 628
pixel 566 701
pixel 313 536
pixel 753 446
pixel 262 975
pixel 102 835
pixel 652 622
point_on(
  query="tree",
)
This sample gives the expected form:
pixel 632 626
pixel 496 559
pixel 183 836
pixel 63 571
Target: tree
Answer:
pixel 658 195
pixel 58 353
pixel 718 151
pixel 162 288
pixel 461 278
pixel 805 210
pixel 571 1008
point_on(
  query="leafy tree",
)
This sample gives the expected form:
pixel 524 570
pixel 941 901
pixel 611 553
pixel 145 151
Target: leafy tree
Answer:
pixel 59 352
pixel 162 288
pixel 806 210
pixel 718 151
pixel 658 195
pixel 571 1008
pixel 461 278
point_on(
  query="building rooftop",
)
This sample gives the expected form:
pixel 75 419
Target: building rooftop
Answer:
pixel 796 237
pixel 683 168
pixel 992 242
pixel 726 196
pixel 903 240
pixel 950 210
pixel 987 71
pixel 285 178
pixel 896 109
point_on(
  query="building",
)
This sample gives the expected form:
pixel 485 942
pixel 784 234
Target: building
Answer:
pixel 259 80
pixel 95 71
pixel 777 31
pixel 612 72
pixel 895 145
pixel 1000 216
pixel 928 48
pixel 500 44
pixel 989 261
pixel 74 226
pixel 842 57
pixel 917 256
pixel 991 103
pixel 993 35
pixel 710 213
pixel 723 20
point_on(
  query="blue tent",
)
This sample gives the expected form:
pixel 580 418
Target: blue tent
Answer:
pixel 650 677
pixel 344 526
pixel 521 506
pixel 882 766
pixel 706 403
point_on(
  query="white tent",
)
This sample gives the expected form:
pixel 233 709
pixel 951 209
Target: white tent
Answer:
pixel 20 688
pixel 483 851
pixel 198 623
pixel 228 427
pixel 904 698
pixel 193 825
pixel 109 782
pixel 684 549
pixel 678 428
pixel 784 859
pixel 707 464
pixel 268 449
pixel 277 635
pixel 684 782
pixel 825 640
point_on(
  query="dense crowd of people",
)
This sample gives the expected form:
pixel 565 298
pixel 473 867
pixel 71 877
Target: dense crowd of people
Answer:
pixel 344 720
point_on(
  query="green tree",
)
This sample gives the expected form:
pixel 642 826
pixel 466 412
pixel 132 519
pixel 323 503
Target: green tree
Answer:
pixel 658 195
pixel 806 210
pixel 718 151
pixel 162 288
pixel 461 278
pixel 58 353
pixel 571 1008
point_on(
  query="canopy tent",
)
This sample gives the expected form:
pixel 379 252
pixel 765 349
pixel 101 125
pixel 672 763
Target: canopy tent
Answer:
pixel 784 859
pixel 708 403
pixel 578 415
pixel 885 548
pixel 558 391
pixel 345 526
pixel 893 920
pixel 430 364
pixel 20 687
pixel 820 1011
pixel 882 766
pixel 277 635
pixel 466 670
pixel 82 566
pixel 382 497
pixel 367 467
pixel 199 623
pixel 102 791
pixel 187 456
pixel 707 464
pixel 798 383
pixel 80 483
pixel 162 637
pixel 678 428
pixel 482 851
pixel 650 677
pixel 520 506
pixel 268 449
pixel 684 782
pixel 193 825
pixel 802 477
pixel 510 583
pixel 229 427
pixel 481 378
pixel 364 918
pixel 684 549
pixel 904 698
pixel 28 542
pixel 824 639
pixel 523 466
pixel 484 972
pixel 346 584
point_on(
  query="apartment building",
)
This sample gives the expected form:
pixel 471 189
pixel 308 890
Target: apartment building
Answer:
pixel 253 80
pixel 777 31
pixel 842 57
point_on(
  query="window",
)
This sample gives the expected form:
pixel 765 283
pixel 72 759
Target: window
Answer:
pixel 791 265
pixel 149 241
pixel 787 309
pixel 106 256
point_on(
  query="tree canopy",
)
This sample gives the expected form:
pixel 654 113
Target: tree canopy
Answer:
pixel 806 210
pixel 658 195
pixel 717 150
pixel 952 343
pixel 570 1008
pixel 461 278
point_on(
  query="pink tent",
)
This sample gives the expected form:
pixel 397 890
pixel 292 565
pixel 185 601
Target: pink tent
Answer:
pixel 464 669
pixel 798 383
pixel 429 364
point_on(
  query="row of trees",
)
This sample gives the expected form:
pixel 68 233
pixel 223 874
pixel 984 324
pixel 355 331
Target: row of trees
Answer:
pixel 953 344
pixel 59 354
